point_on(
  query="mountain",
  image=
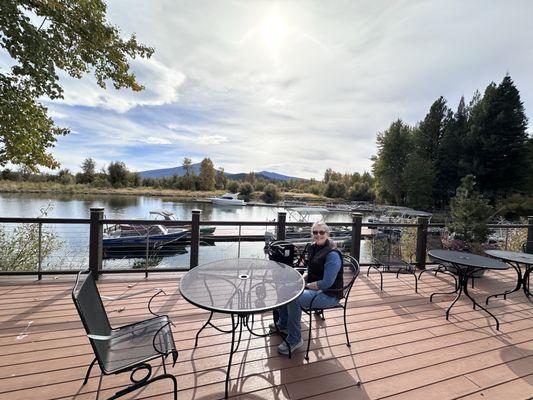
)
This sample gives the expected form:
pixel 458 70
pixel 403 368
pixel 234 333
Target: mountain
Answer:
pixel 180 171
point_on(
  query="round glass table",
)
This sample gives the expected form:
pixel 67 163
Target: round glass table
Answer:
pixel 240 287
pixel 515 259
pixel 465 265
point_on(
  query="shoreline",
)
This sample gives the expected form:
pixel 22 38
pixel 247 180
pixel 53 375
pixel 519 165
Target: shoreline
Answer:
pixel 176 194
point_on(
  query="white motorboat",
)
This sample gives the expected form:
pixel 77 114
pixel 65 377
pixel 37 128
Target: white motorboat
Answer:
pixel 229 199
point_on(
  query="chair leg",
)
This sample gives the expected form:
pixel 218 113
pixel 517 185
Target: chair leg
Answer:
pixel 141 384
pixel 309 336
pixel 346 329
pixel 89 371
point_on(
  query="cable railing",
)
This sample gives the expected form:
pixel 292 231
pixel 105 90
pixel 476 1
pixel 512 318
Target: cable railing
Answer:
pixel 54 246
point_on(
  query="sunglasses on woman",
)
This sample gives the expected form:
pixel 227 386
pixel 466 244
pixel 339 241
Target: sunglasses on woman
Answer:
pixel 319 233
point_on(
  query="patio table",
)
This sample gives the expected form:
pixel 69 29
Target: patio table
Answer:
pixel 466 264
pixel 515 259
pixel 241 288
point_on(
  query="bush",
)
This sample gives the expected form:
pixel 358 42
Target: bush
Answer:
pixel 246 190
pixel 271 194
pixel 233 187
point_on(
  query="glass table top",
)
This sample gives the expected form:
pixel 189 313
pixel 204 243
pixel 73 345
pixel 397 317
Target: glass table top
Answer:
pixel 244 285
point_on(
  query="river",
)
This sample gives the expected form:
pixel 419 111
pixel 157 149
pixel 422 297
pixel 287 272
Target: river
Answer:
pixel 74 238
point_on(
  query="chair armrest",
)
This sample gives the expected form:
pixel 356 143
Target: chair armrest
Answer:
pixel 99 337
pixel 128 295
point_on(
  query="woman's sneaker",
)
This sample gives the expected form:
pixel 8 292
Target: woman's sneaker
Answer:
pixel 283 348
pixel 273 329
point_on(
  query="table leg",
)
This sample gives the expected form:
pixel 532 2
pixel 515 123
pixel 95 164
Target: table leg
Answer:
pixel 202 328
pixel 457 288
pixel 525 281
pixel 235 323
pixel 463 283
pixel 519 282
pixel 479 305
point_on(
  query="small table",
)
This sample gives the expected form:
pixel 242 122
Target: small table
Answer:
pixel 240 287
pixel 466 264
pixel 514 259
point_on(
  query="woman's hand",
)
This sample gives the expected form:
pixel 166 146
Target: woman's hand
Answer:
pixel 312 286
pixel 305 274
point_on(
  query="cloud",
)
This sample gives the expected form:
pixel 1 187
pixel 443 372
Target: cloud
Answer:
pixel 228 82
pixel 161 87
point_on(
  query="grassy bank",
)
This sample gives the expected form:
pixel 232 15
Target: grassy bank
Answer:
pixel 58 188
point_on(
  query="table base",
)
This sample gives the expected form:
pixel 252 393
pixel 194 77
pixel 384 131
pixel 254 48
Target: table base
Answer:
pixel 522 282
pixel 462 287
pixel 237 323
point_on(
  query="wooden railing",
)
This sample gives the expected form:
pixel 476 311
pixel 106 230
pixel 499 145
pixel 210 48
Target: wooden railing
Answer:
pixel 97 221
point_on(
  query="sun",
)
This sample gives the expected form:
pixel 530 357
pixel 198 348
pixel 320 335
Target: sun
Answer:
pixel 274 32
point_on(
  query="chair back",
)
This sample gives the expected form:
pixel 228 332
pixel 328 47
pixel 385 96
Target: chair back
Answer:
pixel 387 247
pixel 92 312
pixel 353 265
pixel 527 246
pixel 281 251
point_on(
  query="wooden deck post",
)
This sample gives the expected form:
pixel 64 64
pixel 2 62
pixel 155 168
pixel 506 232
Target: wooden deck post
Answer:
pixel 421 241
pixel 96 233
pixel 355 248
pixel 195 237
pixel 529 240
pixel 282 219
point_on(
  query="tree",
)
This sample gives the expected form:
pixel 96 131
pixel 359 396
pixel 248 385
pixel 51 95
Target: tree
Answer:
pixel 188 177
pixel 88 171
pixel 419 178
pixel 118 174
pixel 250 178
pixel 448 164
pixel 393 148
pixel 221 180
pixel 207 175
pixel 43 37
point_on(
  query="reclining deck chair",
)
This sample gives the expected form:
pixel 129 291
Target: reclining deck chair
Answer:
pixel 128 348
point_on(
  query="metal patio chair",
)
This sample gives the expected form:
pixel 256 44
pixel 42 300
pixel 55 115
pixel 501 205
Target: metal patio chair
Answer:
pixel 128 348
pixel 387 257
pixel 353 266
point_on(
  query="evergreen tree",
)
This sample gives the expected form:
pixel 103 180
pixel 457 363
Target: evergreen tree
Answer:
pixel 469 212
pixel 188 174
pixel 393 149
pixel 448 162
pixel 419 178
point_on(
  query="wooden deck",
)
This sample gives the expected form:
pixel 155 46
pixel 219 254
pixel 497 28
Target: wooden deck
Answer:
pixel 402 345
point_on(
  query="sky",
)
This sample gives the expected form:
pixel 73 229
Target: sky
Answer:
pixel 292 87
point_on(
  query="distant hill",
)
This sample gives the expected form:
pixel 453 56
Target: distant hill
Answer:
pixel 180 171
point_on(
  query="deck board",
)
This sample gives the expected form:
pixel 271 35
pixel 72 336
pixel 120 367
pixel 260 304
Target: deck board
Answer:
pixel 402 345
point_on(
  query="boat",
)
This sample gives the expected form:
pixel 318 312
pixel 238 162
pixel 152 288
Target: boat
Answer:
pixel 165 215
pixel 228 199
pixel 141 236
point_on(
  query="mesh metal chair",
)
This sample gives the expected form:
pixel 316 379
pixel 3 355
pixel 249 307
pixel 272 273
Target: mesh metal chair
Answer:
pixel 387 256
pixel 128 348
pixel 353 266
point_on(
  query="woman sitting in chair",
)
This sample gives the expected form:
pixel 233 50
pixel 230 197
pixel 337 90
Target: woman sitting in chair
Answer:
pixel 324 271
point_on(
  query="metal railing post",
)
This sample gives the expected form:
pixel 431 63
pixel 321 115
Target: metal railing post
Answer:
pixel 282 220
pixel 40 253
pixel 529 240
pixel 96 233
pixel 355 248
pixel 421 241
pixel 195 237
pixel 147 259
